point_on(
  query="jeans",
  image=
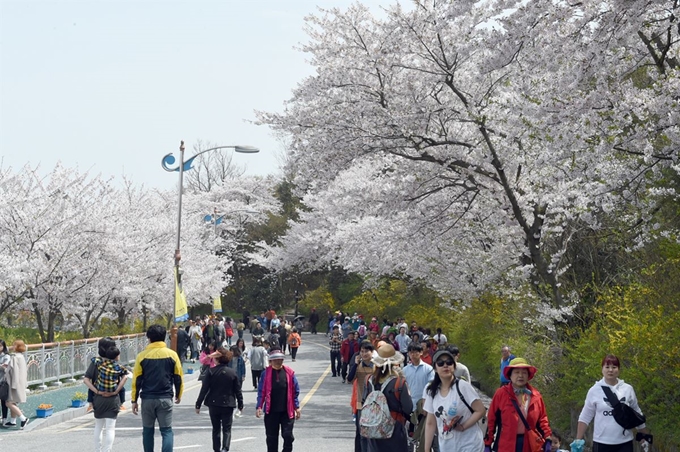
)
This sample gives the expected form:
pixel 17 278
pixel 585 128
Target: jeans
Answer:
pixel 335 358
pixel 161 410
pixel 272 422
pixel 221 418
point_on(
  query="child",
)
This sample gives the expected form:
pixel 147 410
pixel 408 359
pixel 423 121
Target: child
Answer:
pixel 556 442
pixel 110 373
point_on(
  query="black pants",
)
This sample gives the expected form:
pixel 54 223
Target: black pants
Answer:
pixel 293 352
pixel 623 447
pixel 345 368
pixel 4 410
pixel 272 422
pixel 256 377
pixel 221 418
pixel 357 436
pixel 313 328
pixel 335 358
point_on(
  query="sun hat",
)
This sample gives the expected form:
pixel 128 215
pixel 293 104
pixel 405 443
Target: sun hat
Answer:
pixel 441 353
pixel 519 363
pixel 386 355
pixel 276 354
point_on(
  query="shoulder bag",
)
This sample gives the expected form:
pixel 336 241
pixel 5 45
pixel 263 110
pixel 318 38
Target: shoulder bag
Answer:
pixel 531 436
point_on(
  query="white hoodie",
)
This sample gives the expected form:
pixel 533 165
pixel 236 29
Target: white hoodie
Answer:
pixel 607 431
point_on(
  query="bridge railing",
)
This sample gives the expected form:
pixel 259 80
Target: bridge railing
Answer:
pixel 56 361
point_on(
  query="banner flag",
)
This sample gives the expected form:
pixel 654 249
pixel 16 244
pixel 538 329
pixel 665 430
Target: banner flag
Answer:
pixel 217 304
pixel 181 310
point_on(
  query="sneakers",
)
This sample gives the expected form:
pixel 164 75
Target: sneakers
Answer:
pixel 10 424
pixel 24 422
pixel 293 360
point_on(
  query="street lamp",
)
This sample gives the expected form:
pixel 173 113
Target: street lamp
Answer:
pixel 185 165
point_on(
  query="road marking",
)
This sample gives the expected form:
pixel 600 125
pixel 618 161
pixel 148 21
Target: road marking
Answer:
pixel 187 447
pixel 315 387
pixel 243 439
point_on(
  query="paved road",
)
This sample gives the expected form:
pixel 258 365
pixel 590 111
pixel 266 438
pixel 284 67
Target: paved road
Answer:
pixel 326 422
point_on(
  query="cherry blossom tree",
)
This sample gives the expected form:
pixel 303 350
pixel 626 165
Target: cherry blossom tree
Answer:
pixel 464 143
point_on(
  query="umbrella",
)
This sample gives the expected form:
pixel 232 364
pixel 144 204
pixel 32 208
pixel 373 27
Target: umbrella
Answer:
pixel 299 318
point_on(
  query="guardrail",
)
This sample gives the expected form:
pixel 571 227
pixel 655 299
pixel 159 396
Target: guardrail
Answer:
pixel 57 361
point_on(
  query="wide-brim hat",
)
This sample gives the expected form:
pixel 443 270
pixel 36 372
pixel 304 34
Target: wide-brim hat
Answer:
pixel 276 354
pixel 519 363
pixel 386 355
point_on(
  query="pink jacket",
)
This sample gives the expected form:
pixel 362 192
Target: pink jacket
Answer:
pixel 264 391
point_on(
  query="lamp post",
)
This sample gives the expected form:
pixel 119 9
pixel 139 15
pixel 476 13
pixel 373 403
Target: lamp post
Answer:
pixel 169 159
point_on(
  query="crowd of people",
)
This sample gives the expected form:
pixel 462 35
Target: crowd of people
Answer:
pixel 409 389
pixel 434 407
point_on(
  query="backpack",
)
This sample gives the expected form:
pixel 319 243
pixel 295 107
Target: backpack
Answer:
pixel 623 414
pixel 376 421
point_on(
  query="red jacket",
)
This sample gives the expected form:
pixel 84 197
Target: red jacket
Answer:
pixel 503 419
pixel 347 351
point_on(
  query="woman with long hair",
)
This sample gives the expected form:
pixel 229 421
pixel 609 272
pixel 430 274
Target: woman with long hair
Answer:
pixel 221 392
pixel 388 379
pixel 447 409
pixel 16 375
pixel 238 363
pixel 4 364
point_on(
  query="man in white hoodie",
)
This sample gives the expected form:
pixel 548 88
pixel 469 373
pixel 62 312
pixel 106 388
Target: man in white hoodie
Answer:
pixel 609 436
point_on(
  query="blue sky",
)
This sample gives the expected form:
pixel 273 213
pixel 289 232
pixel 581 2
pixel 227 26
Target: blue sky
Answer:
pixel 110 87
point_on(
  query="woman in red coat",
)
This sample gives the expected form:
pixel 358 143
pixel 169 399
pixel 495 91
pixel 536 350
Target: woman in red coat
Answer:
pixel 506 429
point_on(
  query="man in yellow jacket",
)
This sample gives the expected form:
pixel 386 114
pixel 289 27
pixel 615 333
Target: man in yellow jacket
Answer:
pixel 156 375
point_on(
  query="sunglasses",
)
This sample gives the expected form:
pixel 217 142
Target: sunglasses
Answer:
pixel 444 363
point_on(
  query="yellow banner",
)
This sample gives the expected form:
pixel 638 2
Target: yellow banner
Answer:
pixel 181 310
pixel 217 304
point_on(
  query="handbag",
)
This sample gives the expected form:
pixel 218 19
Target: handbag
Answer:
pixel 4 390
pixel 624 415
pixel 531 436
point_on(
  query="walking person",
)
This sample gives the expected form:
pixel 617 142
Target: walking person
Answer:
pixel 608 435
pixel 506 357
pixel 517 411
pixel 387 379
pixel 157 373
pixel 313 320
pixel 348 349
pixel 106 379
pixel 359 372
pixel 446 404
pixel 4 364
pixel 221 393
pixel 16 375
pixel 195 335
pixel 237 362
pixel 294 342
pixel 277 399
pixel 258 361
pixel 335 343
pixel 418 374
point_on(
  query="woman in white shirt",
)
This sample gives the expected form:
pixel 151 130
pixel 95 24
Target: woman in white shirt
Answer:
pixel 447 413
pixel 609 436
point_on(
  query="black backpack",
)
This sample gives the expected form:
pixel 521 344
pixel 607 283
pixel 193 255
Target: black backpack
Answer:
pixel 624 415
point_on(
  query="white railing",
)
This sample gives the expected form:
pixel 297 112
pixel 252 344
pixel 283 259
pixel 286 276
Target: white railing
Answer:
pixel 57 361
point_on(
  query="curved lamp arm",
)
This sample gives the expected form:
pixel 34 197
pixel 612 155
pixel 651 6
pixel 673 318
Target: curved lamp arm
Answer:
pixel 169 159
